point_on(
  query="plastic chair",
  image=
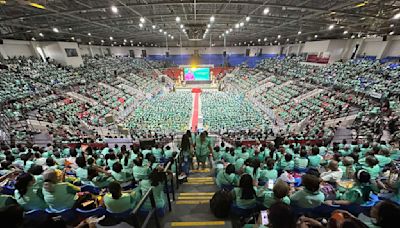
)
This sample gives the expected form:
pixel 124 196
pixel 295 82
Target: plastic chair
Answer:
pixel 121 215
pixel 99 211
pixel 92 189
pixel 7 190
pixel 67 214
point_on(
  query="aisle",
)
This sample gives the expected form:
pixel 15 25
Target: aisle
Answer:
pixel 195 113
pixel 192 208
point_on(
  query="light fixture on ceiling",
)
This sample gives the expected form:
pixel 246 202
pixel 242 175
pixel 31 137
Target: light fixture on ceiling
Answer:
pixel 331 26
pixel 396 16
pixel 181 26
pixel 177 19
pixel 55 30
pixel 114 9
pixel 124 40
pixel 392 25
pixel 265 39
pixel 230 30
pixel 89 34
pixel 241 24
pixel 102 41
pixel 41 34
pixel 70 29
pixel 142 20
pixel 361 4
pixel 279 36
pixel 315 36
pixel 36 5
pixel 165 33
pixel 212 19
pixel 247 18
pixel 287 40
pixel 172 37
pixel 345 32
pixel 153 26
pixel 169 35
pixel 160 30
pixel 140 25
pixel 391 33
pixel 90 43
pixel 208 25
pixel 33 38
pixel 353 36
pixel 237 26
pixel 299 32
pixel 266 11
pixel 227 32
pixel 111 38
pixel 72 38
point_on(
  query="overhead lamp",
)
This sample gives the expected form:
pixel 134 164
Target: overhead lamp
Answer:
pixel 219 37
pixel 89 34
pixel 37 5
pixel 392 25
pixel 247 18
pixel 169 35
pixel 33 38
pixel 353 36
pixel 111 38
pixel 90 43
pixel 41 34
pixel 212 19
pixel 279 36
pixel 345 32
pixel 244 42
pixel 160 30
pixel 55 30
pixel 362 4
pixel 153 26
pixel 266 11
pixel 70 29
pixel 240 43
pixel 287 40
pixel 124 40
pixel 230 30
pixel 236 25
pixel 72 38
pixel 165 33
pixel 102 41
pixel 259 40
pixel 396 16
pixel 114 9
pixel 172 37
pixel 391 33
pixel 331 26
pixel 142 20
pixel 131 41
pixel 140 25
pixel 315 36
pixel 299 32
pixel 227 32
pixel 178 19
pixel 181 26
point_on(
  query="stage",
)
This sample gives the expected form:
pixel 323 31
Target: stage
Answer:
pixel 202 86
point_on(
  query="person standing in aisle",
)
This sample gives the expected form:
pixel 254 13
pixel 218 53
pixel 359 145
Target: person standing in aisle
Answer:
pixel 203 149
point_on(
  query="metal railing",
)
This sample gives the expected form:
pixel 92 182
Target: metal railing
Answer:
pixel 177 161
pixel 153 212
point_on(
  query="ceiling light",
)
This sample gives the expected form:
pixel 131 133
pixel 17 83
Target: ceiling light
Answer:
pixel 141 25
pixel 287 39
pixel 41 34
pixel 345 32
pixel 89 34
pixel 153 26
pixel 245 42
pixel 70 29
pixel 315 36
pixel 391 33
pixel 37 5
pixel 124 40
pixel 392 25
pixel 219 37
pixel 212 18
pixel 362 4
pixel 265 39
pixel 165 33
pixel 90 43
pixel 331 26
pixel 259 40
pixel 241 24
pixel 236 25
pixel 230 30
pixel 208 25
pixel 279 36
pixel 169 35
pixel 72 38
pixel 172 37
pixel 396 16
pixel 33 38
pixel 160 30
pixel 266 11
pixel 178 19
pixel 181 26
pixel 115 42
pixel 247 18
pixel 55 30
pixel 142 20
pixel 227 32
pixel 102 41
pixel 299 32
pixel 114 9
pixel 111 38
pixel 353 36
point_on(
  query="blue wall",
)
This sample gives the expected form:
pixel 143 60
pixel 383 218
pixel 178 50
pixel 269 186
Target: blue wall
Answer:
pixel 215 59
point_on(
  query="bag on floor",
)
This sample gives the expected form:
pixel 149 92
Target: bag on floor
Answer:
pixel 220 204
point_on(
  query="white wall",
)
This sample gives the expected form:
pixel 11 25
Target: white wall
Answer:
pixel 15 48
pixel 56 51
pixel 316 46
pixel 393 48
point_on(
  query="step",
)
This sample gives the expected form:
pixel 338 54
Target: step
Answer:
pixel 200 170
pixel 198 224
pixel 197 193
pixel 190 202
pixel 194 197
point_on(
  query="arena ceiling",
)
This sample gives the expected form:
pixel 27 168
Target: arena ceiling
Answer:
pixel 152 22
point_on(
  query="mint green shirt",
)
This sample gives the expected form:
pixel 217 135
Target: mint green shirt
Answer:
pixel 268 198
pixel 307 199
pixel 126 202
pixel 31 200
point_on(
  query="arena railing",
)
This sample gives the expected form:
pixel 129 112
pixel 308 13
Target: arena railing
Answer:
pixel 152 213
pixel 169 183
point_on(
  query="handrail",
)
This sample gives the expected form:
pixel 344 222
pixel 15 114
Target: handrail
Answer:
pixel 153 211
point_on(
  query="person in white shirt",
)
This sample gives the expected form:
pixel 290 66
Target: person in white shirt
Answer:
pixel 334 174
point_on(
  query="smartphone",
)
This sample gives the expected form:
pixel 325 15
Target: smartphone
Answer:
pixel 264 218
pixel 270 184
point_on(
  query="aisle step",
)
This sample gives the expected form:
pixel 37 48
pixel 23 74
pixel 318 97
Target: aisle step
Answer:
pixel 197 224
pixel 196 193
pixel 194 197
pixel 189 202
pixel 200 170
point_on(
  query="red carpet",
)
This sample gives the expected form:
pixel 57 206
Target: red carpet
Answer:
pixel 195 117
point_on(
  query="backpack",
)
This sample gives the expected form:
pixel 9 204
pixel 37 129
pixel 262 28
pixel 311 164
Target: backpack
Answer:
pixel 220 204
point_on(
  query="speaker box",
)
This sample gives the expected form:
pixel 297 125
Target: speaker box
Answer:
pixel 247 52
pixel 224 53
pixel 167 54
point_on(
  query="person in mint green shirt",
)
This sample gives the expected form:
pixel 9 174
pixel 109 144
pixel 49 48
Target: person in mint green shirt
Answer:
pixel 252 167
pixel 157 152
pixel 203 149
pixel 27 196
pixel 227 176
pixel 269 173
pixel 119 175
pixel 118 202
pixel 302 161
pixel 314 160
pixel 140 171
pixel 372 166
pixel 383 157
pixel 310 196
pixel 81 172
pixel 244 196
pixel 279 193
pixel 286 163
pixel 348 168
pixel 168 152
pixel 58 195
pixel 156 181
pixel 230 156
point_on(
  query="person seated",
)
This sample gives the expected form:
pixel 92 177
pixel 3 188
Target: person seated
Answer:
pixel 314 159
pixel 140 171
pixel 227 176
pixel 58 195
pixel 244 196
pixel 348 167
pixel 372 166
pixel 119 175
pixel 269 173
pixel 310 196
pixel 333 174
pixel 27 196
pixel 279 193
pixel 252 167
pixel 117 201
pixel 287 163
pixel 302 161
pixel 81 172
pixel 156 181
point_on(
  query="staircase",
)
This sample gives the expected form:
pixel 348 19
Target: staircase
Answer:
pixel 342 133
